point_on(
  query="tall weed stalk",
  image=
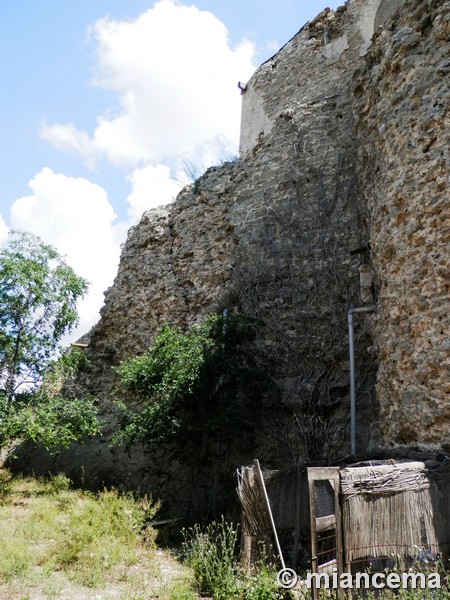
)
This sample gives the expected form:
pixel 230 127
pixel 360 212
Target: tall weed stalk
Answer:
pixel 212 554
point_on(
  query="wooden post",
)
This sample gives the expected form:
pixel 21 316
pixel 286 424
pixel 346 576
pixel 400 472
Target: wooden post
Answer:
pixel 247 553
pixel 298 514
pixel 325 522
pixel 248 539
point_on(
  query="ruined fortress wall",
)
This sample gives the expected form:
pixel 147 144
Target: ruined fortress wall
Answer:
pixel 310 66
pixel 343 144
pixel 342 170
pixel 299 219
pixel 403 123
pixel 270 235
pixel 174 267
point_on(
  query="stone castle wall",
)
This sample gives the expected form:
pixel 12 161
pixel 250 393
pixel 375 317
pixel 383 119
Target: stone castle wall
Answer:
pixel 310 66
pixel 403 122
pixel 343 174
pixel 272 236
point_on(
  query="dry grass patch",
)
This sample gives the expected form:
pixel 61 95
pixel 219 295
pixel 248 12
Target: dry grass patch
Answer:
pixel 71 544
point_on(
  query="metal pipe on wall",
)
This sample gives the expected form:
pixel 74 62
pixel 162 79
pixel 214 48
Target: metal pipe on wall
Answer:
pixel 351 349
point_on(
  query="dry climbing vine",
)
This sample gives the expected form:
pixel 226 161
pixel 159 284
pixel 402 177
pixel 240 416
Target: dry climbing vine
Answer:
pixel 294 272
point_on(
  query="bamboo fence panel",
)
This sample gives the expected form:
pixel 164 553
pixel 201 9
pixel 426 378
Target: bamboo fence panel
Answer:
pixel 388 510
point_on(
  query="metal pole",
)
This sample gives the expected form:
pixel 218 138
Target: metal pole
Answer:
pixel 351 350
pixel 269 512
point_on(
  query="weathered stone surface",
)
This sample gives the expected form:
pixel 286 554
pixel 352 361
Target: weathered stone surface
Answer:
pixel 270 235
pixel 403 124
pixel 340 198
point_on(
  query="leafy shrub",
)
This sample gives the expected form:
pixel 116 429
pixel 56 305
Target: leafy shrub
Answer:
pixel 56 422
pixel 46 417
pixel 191 385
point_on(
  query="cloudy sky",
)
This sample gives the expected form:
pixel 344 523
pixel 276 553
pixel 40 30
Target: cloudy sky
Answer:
pixel 105 103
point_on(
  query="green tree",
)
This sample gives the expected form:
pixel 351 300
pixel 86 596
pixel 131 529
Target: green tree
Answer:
pixel 38 296
pixel 195 384
pixel 38 306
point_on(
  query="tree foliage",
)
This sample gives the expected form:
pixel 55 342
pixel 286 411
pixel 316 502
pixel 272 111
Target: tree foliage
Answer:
pixel 38 298
pixel 45 416
pixel 191 385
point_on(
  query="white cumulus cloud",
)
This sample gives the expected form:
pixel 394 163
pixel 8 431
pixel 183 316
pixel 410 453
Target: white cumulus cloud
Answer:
pixel 175 76
pixel 152 186
pixel 75 216
pixel 68 137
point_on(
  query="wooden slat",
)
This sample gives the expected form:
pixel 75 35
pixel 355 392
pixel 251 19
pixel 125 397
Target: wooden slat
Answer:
pixel 322 473
pixel 323 523
pixel 328 566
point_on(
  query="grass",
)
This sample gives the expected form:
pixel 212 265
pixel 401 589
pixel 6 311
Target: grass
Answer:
pixel 61 543
pixel 58 542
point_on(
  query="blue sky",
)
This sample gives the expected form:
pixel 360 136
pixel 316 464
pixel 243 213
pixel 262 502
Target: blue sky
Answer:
pixel 103 101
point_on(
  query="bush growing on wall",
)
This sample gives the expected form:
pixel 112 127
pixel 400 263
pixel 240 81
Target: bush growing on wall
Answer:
pixel 192 384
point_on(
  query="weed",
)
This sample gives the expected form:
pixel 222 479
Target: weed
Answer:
pixel 182 592
pixel 263 584
pixel 181 589
pixel 211 553
pixel 100 532
pixel 196 187
pixel 5 486
pixel 229 159
pixel 15 562
pixel 59 483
